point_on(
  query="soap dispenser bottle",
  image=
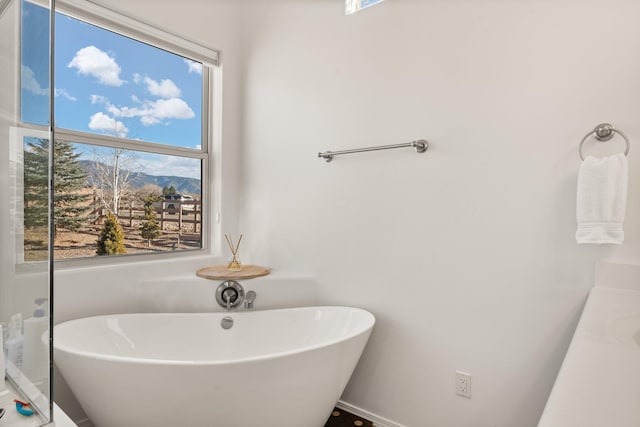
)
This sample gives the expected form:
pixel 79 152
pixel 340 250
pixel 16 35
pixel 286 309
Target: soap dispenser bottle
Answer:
pixel 35 361
pixel 15 342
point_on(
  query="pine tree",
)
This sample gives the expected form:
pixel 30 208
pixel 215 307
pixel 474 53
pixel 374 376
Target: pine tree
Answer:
pixel 36 184
pixel 150 229
pixel 168 190
pixel 70 205
pixel 111 240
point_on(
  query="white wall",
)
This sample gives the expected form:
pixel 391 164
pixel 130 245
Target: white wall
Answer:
pixel 465 254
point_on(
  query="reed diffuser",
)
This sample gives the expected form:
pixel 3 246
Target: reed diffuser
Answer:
pixel 234 263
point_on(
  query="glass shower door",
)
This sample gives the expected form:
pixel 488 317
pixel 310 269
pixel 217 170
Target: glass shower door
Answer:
pixel 25 219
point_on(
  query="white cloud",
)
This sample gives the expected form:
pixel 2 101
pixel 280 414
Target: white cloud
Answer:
pixel 194 67
pixel 136 99
pixel 102 122
pixel 174 108
pixel 178 166
pixel 124 111
pixel 99 99
pixel 137 78
pixel 64 93
pixel 154 112
pixel 163 89
pixel 30 83
pixel 91 61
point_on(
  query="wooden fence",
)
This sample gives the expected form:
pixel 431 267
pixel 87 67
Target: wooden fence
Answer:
pixel 172 215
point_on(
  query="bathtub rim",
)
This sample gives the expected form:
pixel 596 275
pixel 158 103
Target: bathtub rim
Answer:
pixel 172 362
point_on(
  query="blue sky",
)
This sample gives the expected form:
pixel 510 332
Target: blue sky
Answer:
pixel 106 83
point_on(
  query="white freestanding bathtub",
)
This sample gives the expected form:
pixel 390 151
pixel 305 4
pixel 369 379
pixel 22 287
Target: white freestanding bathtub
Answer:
pixel 274 368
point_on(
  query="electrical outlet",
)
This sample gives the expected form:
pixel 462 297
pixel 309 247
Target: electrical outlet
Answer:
pixel 463 384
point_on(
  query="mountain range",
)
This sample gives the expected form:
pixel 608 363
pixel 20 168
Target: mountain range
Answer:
pixel 182 185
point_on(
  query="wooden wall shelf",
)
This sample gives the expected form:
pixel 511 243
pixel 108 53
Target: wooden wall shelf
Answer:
pixel 220 272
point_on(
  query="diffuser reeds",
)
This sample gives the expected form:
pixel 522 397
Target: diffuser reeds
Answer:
pixel 234 262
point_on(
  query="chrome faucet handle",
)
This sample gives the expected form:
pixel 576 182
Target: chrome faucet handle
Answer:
pixel 229 294
pixel 249 298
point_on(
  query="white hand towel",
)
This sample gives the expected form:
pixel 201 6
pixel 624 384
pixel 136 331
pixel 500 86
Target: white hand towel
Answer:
pixel 602 199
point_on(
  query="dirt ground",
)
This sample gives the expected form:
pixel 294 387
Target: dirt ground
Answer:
pixel 82 244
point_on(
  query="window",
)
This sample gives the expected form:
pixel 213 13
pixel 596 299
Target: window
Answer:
pixel 131 133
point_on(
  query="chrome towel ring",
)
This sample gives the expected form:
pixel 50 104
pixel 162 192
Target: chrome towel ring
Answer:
pixel 603 132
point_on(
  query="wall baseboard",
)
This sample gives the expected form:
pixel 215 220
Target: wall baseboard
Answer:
pixel 84 423
pixel 377 420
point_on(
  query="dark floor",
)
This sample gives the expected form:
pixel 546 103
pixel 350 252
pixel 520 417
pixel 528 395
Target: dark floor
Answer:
pixel 341 418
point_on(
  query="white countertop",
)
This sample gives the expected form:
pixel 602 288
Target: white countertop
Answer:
pixel 599 381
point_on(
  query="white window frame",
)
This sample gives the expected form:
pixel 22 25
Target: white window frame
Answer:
pixel 112 20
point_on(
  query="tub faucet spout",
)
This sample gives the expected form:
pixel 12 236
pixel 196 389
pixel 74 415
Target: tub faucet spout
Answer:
pixel 249 299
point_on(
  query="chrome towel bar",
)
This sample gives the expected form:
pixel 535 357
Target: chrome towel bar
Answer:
pixel 603 132
pixel 420 145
